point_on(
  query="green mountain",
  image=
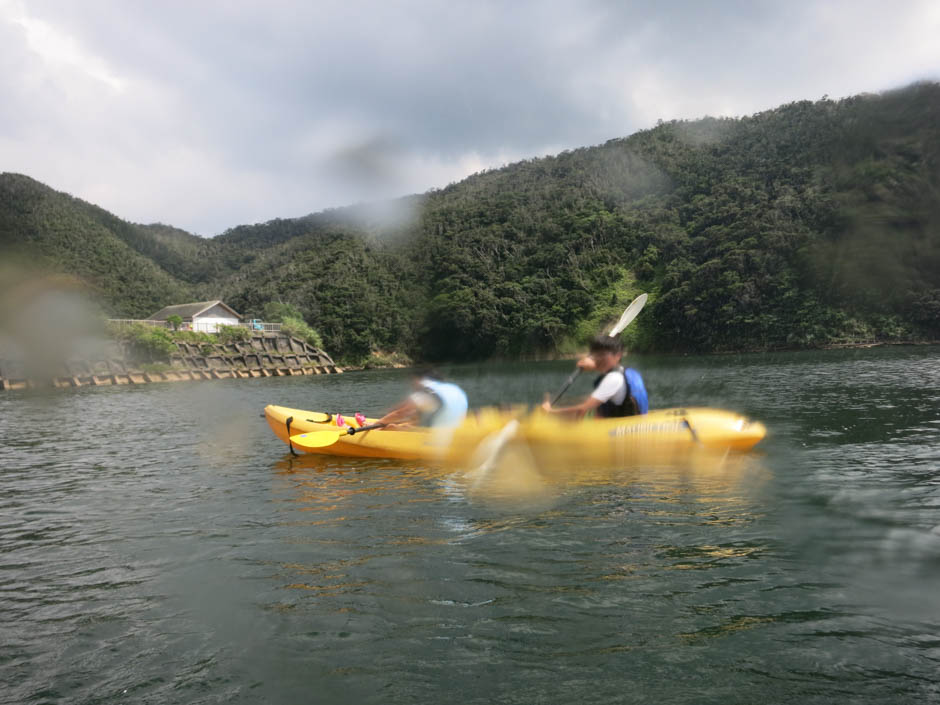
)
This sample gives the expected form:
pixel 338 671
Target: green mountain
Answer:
pixel 813 223
pixel 46 230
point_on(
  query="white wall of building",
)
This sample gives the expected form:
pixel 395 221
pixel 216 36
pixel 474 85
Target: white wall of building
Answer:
pixel 210 324
pixel 209 321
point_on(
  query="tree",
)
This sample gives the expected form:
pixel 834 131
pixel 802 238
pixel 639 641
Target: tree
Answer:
pixel 277 311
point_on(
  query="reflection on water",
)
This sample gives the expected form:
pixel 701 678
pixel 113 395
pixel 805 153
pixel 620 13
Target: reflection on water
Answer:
pixel 518 474
pixel 516 480
pixel 478 524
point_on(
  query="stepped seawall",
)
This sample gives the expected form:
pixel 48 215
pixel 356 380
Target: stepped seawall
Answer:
pixel 264 355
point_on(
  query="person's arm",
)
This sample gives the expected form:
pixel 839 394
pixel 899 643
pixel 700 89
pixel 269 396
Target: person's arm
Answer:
pixel 607 389
pixel 576 411
pixel 407 411
pixel 579 410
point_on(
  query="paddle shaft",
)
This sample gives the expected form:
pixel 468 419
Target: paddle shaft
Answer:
pixel 327 437
pixel 353 431
pixel 568 382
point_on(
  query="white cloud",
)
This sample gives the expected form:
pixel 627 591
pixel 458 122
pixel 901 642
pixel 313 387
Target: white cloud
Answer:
pixel 58 49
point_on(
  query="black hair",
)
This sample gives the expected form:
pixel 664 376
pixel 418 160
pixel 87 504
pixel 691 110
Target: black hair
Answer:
pixel 606 344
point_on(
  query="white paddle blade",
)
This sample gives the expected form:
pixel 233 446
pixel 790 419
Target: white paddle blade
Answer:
pixel 484 458
pixel 632 310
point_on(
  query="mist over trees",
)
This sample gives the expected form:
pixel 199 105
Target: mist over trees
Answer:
pixel 806 225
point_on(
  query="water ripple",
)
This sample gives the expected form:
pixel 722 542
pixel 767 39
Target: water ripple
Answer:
pixel 158 545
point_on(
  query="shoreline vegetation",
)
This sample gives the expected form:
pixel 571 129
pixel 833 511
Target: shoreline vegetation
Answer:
pixel 254 358
pixel 404 363
pixel 808 226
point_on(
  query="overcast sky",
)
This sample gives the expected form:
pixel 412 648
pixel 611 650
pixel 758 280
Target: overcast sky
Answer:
pixel 207 115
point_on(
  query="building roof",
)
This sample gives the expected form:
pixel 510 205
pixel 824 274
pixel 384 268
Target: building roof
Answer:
pixel 186 311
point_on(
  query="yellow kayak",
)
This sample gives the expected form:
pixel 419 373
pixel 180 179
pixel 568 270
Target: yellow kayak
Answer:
pixel 659 436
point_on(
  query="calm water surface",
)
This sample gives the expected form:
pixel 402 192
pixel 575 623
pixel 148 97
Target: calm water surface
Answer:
pixel 157 545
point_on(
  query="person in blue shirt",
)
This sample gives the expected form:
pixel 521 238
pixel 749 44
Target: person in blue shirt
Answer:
pixel 617 391
pixel 434 403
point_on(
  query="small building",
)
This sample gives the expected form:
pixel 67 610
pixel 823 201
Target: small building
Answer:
pixel 205 316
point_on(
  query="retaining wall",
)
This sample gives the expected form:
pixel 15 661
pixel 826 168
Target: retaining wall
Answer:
pixel 265 355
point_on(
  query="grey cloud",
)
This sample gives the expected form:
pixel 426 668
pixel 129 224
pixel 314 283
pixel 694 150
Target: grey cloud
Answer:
pixel 319 105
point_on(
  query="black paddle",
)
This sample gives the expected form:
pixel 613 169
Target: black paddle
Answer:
pixel 321 439
pixel 625 319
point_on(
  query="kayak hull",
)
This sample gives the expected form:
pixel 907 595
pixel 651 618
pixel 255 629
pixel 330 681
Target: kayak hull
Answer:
pixel 660 436
pixel 403 445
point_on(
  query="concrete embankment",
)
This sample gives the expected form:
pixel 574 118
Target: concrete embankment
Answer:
pixel 265 355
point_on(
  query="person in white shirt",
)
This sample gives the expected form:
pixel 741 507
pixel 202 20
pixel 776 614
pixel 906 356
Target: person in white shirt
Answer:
pixel 617 392
pixel 433 403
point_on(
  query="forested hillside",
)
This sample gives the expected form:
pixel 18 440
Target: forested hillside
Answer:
pixel 813 223
pixel 117 260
